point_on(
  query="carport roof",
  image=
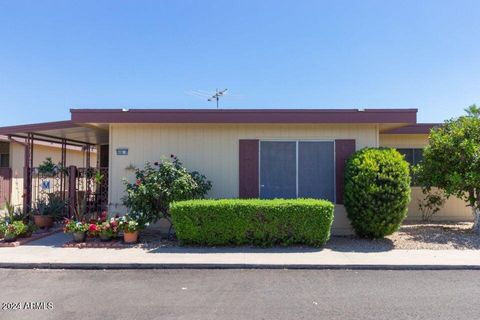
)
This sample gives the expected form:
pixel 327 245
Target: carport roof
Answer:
pixel 72 132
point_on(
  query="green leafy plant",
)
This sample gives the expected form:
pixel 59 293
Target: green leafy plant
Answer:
pixel 431 204
pixel 451 161
pixel 15 229
pixel 377 191
pixel 132 222
pixel 53 206
pixel 15 213
pixel 158 185
pixel 98 177
pixel 47 167
pixel 3 227
pixel 253 221
pixel 73 226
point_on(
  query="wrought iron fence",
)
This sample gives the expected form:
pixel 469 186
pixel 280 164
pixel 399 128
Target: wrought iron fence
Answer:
pixel 91 187
pixel 46 184
pixel 82 188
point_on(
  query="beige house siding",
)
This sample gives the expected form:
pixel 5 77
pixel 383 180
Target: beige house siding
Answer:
pixel 454 208
pixel 213 150
pixel 40 153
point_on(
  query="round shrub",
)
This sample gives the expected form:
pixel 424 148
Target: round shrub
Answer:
pixel 377 191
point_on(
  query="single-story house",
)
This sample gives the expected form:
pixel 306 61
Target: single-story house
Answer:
pixel 263 153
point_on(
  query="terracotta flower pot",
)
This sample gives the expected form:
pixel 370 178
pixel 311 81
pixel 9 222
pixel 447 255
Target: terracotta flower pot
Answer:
pixel 43 221
pixel 79 236
pixel 130 237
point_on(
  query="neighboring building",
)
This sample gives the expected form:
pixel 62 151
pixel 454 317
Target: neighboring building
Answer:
pixel 245 153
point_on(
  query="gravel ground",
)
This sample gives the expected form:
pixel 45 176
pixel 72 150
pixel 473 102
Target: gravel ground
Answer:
pixel 411 236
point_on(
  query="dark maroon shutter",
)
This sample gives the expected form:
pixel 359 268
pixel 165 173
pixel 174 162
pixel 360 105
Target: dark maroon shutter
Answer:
pixel 248 163
pixel 343 149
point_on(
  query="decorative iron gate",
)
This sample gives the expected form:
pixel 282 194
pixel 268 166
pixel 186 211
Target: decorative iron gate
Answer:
pixel 5 185
pixel 91 189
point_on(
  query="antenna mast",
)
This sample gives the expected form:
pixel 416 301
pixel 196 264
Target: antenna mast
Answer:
pixel 217 95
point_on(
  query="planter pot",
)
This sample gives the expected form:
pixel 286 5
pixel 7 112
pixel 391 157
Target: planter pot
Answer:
pixel 79 236
pixel 43 221
pixel 130 237
pixel 105 237
pixel 10 238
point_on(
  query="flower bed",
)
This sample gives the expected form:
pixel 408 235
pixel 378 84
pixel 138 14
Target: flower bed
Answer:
pixel 104 229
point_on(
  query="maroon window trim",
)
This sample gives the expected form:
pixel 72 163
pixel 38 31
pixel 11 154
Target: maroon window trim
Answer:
pixel 343 149
pixel 248 169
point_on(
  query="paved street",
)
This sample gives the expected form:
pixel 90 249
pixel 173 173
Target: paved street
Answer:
pixel 241 294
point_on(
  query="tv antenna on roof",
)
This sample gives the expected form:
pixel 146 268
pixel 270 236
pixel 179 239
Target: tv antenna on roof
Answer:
pixel 217 95
pixel 209 95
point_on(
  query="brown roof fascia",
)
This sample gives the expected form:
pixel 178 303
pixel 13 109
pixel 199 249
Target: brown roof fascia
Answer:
pixel 25 128
pixel 349 116
pixel 419 128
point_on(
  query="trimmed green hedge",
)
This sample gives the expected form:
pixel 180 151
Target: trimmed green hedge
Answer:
pixel 252 221
pixel 377 191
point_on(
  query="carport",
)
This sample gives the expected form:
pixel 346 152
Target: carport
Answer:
pixel 63 134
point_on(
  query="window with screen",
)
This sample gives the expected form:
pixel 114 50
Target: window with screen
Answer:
pixel 297 169
pixel 413 156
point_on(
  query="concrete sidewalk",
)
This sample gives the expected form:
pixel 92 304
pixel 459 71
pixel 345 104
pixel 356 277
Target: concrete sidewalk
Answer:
pixel 48 253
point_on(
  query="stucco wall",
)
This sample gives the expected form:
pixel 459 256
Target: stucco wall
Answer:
pixel 454 208
pixel 40 153
pixel 213 151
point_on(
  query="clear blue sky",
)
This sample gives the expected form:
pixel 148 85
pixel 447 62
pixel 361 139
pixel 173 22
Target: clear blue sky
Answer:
pixel 55 55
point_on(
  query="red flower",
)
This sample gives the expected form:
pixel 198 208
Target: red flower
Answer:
pixel 139 182
pixel 92 227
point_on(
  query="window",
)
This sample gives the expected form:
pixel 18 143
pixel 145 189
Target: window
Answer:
pixel 413 156
pixel 4 160
pixel 297 169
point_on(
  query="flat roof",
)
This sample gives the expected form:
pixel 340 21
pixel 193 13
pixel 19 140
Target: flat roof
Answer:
pixel 419 128
pixel 292 116
pixel 74 133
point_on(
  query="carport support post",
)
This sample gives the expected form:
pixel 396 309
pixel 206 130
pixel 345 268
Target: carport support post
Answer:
pixel 27 174
pixel 72 194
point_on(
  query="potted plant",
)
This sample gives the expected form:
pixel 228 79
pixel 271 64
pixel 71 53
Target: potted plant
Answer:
pixel 3 227
pixel 13 230
pixel 131 224
pixel 78 229
pixel 47 209
pixel 47 168
pixel 107 229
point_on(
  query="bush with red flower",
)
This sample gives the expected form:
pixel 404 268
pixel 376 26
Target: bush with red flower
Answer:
pixel 108 228
pixel 158 185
